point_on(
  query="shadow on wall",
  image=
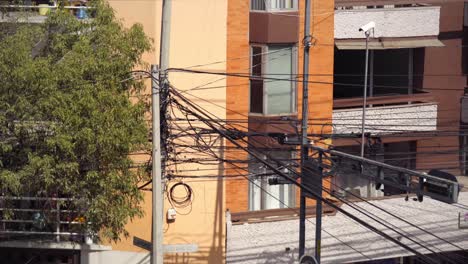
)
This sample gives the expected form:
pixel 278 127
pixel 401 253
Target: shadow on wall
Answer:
pixel 216 252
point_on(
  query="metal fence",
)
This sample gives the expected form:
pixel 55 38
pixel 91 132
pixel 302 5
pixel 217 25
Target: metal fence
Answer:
pixel 78 8
pixel 41 217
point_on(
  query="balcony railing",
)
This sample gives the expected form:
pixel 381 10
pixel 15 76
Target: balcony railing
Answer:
pixel 42 218
pixel 391 22
pixel 383 100
pixel 386 114
pixel 32 13
pixel 273 5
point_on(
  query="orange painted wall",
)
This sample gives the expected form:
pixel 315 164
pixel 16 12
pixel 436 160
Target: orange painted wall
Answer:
pixel 237 97
pixel 320 87
pixel 198 36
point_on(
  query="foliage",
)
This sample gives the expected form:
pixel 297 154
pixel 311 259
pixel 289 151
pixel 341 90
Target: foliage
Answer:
pixel 67 124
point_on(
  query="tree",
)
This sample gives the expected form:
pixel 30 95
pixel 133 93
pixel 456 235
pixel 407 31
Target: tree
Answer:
pixel 67 122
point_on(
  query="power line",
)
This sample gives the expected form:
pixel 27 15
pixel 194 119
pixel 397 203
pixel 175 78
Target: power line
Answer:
pixel 244 75
pixel 299 184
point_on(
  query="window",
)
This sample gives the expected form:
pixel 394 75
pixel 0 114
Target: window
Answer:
pixel 391 72
pixel 273 5
pixel 272 88
pixel 465 17
pixel 263 196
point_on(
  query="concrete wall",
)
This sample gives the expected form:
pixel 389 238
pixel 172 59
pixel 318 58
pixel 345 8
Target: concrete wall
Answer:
pixel 387 119
pixel 198 36
pixel 114 257
pixel 390 22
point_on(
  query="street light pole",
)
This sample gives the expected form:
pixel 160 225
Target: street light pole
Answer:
pixel 364 103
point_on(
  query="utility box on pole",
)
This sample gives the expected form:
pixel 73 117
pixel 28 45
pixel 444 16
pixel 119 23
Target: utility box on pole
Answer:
pixel 312 178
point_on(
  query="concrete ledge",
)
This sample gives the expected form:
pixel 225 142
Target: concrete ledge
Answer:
pixel 54 245
pixel 390 22
pixel 420 117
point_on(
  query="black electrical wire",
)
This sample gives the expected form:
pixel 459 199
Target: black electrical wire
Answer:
pixel 243 75
pixel 372 228
pixel 180 201
pixel 263 190
pixel 401 219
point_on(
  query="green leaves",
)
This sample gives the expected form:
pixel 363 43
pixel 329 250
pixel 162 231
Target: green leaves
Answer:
pixel 67 125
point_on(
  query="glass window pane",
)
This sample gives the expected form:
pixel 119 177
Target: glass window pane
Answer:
pixel 270 196
pixel 256 61
pixel 281 4
pixel 256 96
pixel 258 4
pixel 279 92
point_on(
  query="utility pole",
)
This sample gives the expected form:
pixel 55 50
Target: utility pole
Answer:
pixel 318 212
pixel 157 254
pixel 307 42
pixel 157 195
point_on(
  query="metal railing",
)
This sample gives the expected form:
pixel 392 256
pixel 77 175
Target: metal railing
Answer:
pixel 273 5
pixel 399 99
pixel 41 217
pixel 79 8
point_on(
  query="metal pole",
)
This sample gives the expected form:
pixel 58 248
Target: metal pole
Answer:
pixel 157 195
pixel 410 71
pixel 371 73
pixel 464 160
pixel 157 254
pixel 318 213
pixel 364 103
pixel 57 218
pixel 305 117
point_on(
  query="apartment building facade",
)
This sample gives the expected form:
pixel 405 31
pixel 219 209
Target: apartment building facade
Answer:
pixel 415 98
pixel 272 34
pixel 415 85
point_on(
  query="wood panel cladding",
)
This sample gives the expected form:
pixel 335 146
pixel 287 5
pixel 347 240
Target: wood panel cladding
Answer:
pixel 274 27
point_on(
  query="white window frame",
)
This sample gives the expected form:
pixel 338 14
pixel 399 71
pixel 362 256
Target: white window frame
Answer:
pixel 269 3
pixel 265 59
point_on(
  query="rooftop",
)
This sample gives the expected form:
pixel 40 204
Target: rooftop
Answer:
pixel 345 241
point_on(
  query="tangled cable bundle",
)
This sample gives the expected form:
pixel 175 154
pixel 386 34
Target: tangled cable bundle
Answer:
pixel 180 201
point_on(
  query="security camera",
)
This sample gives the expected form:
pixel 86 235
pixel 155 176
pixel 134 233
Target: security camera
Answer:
pixel 367 27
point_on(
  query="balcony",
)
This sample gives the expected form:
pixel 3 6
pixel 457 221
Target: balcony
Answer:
pixel 392 21
pixel 41 219
pixel 386 114
pixel 37 13
pixel 274 21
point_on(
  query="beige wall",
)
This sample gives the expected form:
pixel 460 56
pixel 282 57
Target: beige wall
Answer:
pixel 198 36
